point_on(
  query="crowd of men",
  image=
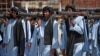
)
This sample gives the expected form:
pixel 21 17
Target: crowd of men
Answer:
pixel 44 35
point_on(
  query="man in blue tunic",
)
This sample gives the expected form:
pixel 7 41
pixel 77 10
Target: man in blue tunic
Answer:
pixel 75 29
pixel 93 37
pixel 34 43
pixel 3 27
pixel 14 37
pixel 8 41
pixel 27 31
pixel 59 35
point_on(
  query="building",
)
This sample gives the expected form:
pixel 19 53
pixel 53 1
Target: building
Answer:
pixel 38 4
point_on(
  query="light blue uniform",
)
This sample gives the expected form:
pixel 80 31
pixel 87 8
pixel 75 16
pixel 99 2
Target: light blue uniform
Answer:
pixel 33 50
pixel 63 40
pixel 93 48
pixel 3 51
pixel 78 27
pixel 44 50
pixel 11 50
pixel 86 43
pixel 28 33
pixel 41 50
pixel 42 47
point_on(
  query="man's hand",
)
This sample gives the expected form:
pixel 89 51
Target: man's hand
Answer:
pixel 72 21
pixel 65 16
pixel 28 44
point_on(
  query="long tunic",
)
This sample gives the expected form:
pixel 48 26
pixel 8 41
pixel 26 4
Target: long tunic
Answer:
pixel 39 49
pixel 93 36
pixel 9 40
pixel 59 35
pixel 12 49
pixel 75 36
pixel 3 51
pixel 28 37
pixel 19 37
pixel 33 50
